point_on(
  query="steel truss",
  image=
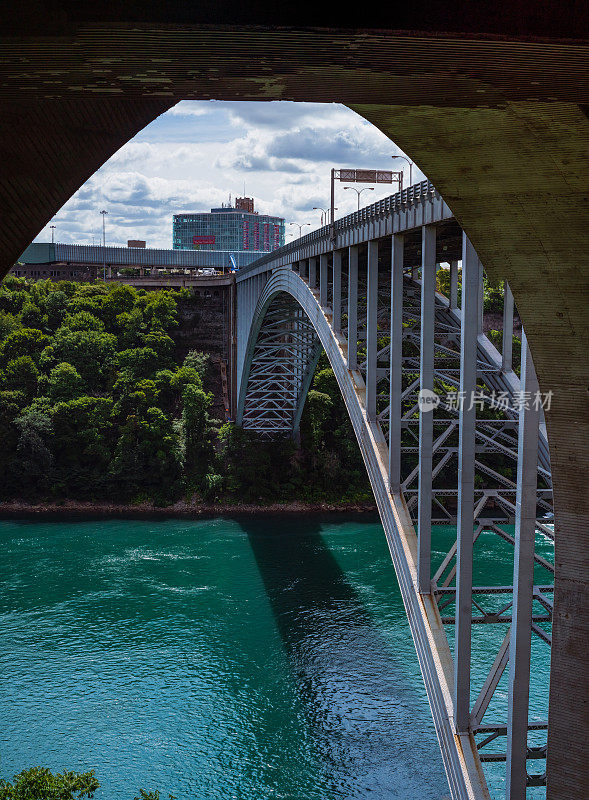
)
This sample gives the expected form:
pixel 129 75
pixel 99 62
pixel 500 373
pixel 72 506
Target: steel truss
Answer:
pixel 483 466
pixel 282 366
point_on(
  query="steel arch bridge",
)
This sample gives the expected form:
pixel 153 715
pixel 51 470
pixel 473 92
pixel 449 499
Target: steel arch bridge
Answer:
pixel 364 291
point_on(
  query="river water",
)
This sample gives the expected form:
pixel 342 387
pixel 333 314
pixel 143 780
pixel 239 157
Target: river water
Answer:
pixel 253 659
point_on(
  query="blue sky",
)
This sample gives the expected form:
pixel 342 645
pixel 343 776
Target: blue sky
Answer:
pixel 198 153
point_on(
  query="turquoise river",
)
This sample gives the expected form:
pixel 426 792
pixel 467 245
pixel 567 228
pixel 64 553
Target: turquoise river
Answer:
pixel 214 659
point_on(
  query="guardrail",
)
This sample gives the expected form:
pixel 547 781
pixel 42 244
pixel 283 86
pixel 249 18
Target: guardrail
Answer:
pixel 382 208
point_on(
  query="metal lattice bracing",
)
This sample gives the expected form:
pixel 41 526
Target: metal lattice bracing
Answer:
pixel 282 364
pixel 477 459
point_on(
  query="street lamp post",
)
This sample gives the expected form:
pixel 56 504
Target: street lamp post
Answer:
pixel 323 213
pixel 104 213
pixel 52 234
pixel 300 227
pixel 359 191
pixel 410 168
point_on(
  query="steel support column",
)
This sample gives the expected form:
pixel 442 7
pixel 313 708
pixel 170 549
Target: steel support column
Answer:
pixel 371 329
pixel 337 291
pixel 426 426
pixel 507 354
pixel 481 309
pixel 466 472
pixel 323 280
pixel 312 273
pixel 353 307
pixel 454 284
pixel 523 580
pixel 396 363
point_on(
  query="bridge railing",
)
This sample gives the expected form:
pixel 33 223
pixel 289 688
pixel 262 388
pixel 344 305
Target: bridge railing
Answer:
pixel 417 193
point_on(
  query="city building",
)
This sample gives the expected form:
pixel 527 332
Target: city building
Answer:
pixel 238 231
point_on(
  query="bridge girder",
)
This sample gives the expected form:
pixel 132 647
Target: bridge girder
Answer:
pixel 450 597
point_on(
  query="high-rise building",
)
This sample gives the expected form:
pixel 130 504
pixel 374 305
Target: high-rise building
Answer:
pixel 238 231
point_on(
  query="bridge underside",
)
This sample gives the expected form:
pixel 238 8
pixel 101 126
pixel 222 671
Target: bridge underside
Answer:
pixel 498 124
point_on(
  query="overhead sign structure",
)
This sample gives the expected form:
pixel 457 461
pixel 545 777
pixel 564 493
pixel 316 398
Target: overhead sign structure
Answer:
pixel 361 176
pixel 368 176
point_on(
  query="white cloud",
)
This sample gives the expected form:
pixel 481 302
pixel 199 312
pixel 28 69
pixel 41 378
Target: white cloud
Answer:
pixel 195 155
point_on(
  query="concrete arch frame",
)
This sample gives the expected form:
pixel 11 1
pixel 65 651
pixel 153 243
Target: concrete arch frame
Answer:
pixel 496 119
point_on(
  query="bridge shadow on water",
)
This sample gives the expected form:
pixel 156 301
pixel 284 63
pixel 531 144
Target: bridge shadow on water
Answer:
pixel 370 726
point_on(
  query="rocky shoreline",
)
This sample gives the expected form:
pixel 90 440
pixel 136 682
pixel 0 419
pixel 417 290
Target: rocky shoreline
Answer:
pixel 16 509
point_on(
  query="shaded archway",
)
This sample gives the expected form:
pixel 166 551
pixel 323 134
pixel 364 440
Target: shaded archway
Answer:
pixel 506 147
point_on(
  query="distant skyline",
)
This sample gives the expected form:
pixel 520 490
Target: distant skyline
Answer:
pixel 199 152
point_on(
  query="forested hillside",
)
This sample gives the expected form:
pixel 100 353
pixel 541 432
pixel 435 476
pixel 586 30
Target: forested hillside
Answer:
pixel 95 406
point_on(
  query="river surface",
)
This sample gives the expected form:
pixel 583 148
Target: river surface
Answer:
pixel 216 659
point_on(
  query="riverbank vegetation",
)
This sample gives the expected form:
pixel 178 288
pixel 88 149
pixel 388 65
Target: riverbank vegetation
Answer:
pixel 97 404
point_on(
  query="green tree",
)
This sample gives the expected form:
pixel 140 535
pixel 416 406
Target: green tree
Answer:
pixel 92 353
pixel 198 361
pixel 163 381
pixel 38 783
pixel 162 344
pixel 141 362
pixel 11 404
pixel 23 342
pixel 147 457
pixel 65 382
pixel 33 465
pixel 21 373
pixel 131 327
pixel 160 310
pixel 255 470
pixel 12 300
pixel 83 321
pixel 133 396
pixel 31 315
pixel 81 442
pixel 8 324
pixel 182 377
pixel 319 406
pixel 196 430
pixel 56 304
pixel 120 299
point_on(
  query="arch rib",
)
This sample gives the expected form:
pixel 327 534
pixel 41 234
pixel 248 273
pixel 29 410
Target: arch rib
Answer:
pixel 459 750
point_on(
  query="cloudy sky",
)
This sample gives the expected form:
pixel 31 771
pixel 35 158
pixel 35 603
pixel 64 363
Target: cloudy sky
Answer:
pixel 198 153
